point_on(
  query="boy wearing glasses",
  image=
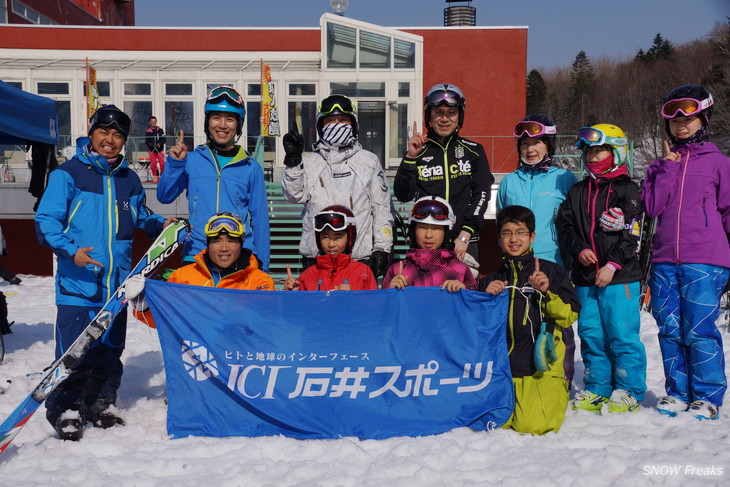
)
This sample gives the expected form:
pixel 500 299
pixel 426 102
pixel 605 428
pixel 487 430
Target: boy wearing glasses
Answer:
pixel 444 164
pixel 335 233
pixel 542 303
pixel 219 176
pixel 339 171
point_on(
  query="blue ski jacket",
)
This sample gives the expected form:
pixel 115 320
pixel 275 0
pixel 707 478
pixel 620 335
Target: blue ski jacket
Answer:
pixel 90 204
pixel 543 192
pixel 238 187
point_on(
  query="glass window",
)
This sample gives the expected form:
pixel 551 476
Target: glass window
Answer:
pixel 139 89
pixel 178 89
pixel 45 88
pixel 398 130
pixel 210 86
pixel 374 50
pixel 63 110
pixel 140 113
pixel 16 84
pixel 103 87
pixel 341 42
pixel 304 114
pixel 296 89
pixel 404 54
pixel 253 89
pixel 404 89
pixel 253 129
pixel 362 90
pixel 179 116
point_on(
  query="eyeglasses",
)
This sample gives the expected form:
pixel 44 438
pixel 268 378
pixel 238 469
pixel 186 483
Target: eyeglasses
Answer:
pixel 686 106
pixel 518 234
pixel 336 102
pixel 225 93
pixel 434 208
pixel 533 129
pixel 224 223
pixel 447 97
pixel 336 220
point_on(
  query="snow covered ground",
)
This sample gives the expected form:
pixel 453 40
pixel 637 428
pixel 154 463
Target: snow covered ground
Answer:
pixel 641 448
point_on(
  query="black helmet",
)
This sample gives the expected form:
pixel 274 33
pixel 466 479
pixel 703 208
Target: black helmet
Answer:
pixel 337 104
pixel 109 116
pixel 697 101
pixel 444 94
pixel 547 134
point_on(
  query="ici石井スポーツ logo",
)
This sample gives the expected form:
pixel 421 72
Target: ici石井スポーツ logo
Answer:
pixel 198 361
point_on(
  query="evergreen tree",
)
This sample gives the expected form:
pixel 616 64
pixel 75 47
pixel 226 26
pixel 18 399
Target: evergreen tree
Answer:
pixel 660 49
pixel 582 83
pixel 536 92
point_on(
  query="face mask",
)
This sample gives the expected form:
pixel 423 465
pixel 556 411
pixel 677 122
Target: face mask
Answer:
pixel 337 134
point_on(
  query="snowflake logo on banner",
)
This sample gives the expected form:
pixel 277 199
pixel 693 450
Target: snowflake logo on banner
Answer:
pixel 198 361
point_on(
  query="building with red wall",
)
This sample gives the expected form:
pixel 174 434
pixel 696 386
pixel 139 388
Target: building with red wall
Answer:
pixel 69 12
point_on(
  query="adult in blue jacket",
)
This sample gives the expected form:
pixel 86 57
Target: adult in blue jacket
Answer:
pixel 219 176
pixel 87 216
pixel 537 184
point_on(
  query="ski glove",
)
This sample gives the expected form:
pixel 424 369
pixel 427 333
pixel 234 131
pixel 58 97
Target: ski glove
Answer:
pixel 612 220
pixel 294 147
pixel 134 290
pixel 378 263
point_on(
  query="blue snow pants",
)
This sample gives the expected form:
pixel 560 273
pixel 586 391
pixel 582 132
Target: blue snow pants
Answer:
pixel 92 385
pixel 685 301
pixel 608 327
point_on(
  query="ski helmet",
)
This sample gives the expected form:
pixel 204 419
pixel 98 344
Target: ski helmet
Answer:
pixel 433 210
pixel 604 134
pixel 444 94
pixel 225 222
pixel 337 104
pixel 109 116
pixel 688 100
pixel 338 218
pixel 224 99
pixel 538 126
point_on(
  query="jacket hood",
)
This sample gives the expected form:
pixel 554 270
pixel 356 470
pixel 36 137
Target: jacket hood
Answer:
pixel 333 263
pixel 99 163
pixel 334 155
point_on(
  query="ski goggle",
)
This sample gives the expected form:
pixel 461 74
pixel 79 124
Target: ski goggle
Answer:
pixel 686 106
pixel 336 102
pixel 224 223
pixel 336 220
pixel 225 93
pixel 113 118
pixel 444 97
pixel 435 209
pixel 533 129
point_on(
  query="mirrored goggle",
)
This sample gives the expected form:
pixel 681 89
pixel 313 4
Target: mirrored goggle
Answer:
pixel 336 220
pixel 336 102
pixel 115 119
pixel 225 93
pixel 533 129
pixel 448 98
pixel 589 136
pixel 686 106
pixel 224 223
pixel 434 208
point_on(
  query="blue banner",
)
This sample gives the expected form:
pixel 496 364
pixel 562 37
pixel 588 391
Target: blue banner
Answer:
pixel 370 364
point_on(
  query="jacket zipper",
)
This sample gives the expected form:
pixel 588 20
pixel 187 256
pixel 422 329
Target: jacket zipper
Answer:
pixel 679 208
pixel 704 208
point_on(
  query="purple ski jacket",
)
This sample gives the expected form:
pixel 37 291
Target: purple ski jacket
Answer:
pixel 431 267
pixel 691 199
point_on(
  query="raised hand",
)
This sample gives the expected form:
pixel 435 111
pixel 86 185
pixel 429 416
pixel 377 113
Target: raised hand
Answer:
pixel 416 142
pixel 179 151
pixel 293 147
pixel 291 284
pixel 399 281
pixel 669 155
pixel 538 279
pixel 82 257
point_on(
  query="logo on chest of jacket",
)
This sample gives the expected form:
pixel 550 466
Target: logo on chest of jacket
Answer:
pixel 125 205
pixel 459 152
pixel 425 172
pixel 342 175
pixel 427 159
pixel 461 167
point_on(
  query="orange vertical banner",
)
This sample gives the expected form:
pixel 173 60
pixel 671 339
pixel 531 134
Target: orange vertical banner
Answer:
pixel 269 112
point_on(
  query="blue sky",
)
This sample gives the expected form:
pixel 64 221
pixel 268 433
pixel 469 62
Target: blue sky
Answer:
pixel 557 29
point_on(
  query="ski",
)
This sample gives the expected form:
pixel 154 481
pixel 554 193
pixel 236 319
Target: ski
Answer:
pixel 646 246
pixel 163 246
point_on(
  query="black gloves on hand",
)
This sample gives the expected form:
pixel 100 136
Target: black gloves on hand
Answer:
pixel 293 146
pixel 378 263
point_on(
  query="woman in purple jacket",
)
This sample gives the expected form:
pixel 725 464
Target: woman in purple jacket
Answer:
pixel 688 190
